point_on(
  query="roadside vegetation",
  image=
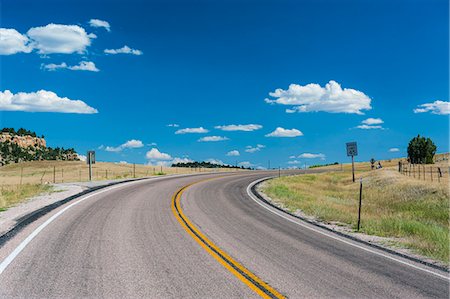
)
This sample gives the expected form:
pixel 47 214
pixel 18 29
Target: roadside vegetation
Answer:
pixel 416 213
pixel 11 195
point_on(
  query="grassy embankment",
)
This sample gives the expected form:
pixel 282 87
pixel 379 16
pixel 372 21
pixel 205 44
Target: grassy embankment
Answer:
pixel 394 205
pixel 24 180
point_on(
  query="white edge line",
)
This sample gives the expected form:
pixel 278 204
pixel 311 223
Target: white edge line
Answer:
pixel 5 263
pixel 271 209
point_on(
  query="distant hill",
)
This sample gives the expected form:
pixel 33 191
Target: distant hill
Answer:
pixel 24 145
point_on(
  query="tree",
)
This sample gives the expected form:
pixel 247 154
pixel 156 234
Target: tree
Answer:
pixel 421 150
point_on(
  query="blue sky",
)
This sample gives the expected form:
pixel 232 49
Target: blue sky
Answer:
pixel 203 64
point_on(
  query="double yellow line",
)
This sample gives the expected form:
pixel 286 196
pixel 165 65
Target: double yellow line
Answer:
pixel 242 273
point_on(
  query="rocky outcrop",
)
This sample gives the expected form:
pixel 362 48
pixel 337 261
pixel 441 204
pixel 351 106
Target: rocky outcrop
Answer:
pixel 23 141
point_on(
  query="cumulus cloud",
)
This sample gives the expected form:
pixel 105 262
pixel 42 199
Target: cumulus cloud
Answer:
pixel 181 160
pixel 124 50
pixel 314 98
pixel 62 39
pixel 246 164
pixel 133 143
pixel 212 139
pixel 42 101
pixel 372 121
pixel 281 132
pixel 312 156
pixel 233 153
pixel 215 161
pixel 81 157
pixel 199 130
pixel 99 23
pixel 254 149
pixel 173 125
pixel 12 42
pixel 246 128
pixel 394 150
pixel 437 107
pixel 294 162
pixel 82 66
pixel 367 127
pixel 155 155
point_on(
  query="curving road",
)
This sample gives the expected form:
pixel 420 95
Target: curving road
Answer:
pixel 128 242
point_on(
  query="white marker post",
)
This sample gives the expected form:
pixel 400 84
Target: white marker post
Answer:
pixel 90 159
pixel 352 151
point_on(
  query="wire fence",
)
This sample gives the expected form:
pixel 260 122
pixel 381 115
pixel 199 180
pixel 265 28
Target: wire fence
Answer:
pixel 425 172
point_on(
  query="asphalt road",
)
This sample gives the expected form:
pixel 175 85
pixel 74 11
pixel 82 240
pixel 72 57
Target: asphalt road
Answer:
pixel 125 242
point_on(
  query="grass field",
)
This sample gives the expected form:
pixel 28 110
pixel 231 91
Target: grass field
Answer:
pixel 394 205
pixel 24 180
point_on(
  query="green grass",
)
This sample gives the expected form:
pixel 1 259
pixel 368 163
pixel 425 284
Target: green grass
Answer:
pixel 393 206
pixel 12 195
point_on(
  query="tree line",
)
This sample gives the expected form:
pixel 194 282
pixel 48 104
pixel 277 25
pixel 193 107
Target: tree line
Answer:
pixel 204 164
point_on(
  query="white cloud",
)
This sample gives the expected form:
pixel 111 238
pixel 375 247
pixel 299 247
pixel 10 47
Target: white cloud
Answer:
pixel 181 160
pixel 233 153
pixel 257 148
pixel 394 150
pixel 292 157
pixel 123 50
pixel 215 161
pixel 81 157
pixel 82 66
pixel 133 143
pixel 173 125
pixel 246 128
pixel 99 23
pixel 212 139
pixel 199 130
pixel 122 162
pixel 294 162
pixel 312 156
pixel 314 98
pixel 281 132
pixel 63 39
pixel 42 101
pixel 366 127
pixel 437 107
pixel 245 164
pixel 372 121
pixel 12 42
pixel 155 155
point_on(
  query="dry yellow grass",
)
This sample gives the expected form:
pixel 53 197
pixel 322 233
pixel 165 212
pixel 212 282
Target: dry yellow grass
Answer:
pixel 394 205
pixel 41 172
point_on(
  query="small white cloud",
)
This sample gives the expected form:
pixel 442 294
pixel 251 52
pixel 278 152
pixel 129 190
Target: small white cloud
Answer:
pixel 123 50
pixel 155 155
pixel 62 39
pixel 181 160
pixel 99 23
pixel 366 127
pixel 372 121
pixel 82 66
pixel 133 143
pixel 294 162
pixel 122 162
pixel 42 101
pixel 245 128
pixel 81 157
pixel 394 150
pixel 233 153
pixel 254 149
pixel 292 157
pixel 437 107
pixel 312 156
pixel 199 130
pixel 12 42
pixel 173 125
pixel 281 132
pixel 246 164
pixel 215 161
pixel 212 139
pixel 313 98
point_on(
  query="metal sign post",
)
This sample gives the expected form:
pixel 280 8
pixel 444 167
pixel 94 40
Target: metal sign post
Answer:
pixel 352 151
pixel 360 201
pixel 90 159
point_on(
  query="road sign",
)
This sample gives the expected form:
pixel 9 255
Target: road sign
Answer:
pixel 352 149
pixel 90 157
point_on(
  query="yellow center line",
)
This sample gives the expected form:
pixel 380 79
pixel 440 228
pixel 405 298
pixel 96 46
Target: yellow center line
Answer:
pixel 242 273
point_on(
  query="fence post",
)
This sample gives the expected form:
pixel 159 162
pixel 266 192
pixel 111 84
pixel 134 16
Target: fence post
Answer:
pixel 62 175
pixel 360 200
pixel 21 175
pixel 54 174
pixel 431 172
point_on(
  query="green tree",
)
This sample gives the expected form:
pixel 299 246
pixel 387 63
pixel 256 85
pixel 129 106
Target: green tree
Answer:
pixel 421 150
